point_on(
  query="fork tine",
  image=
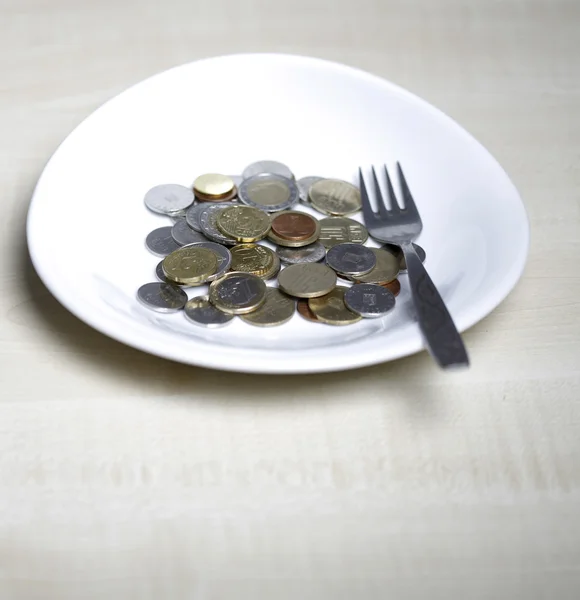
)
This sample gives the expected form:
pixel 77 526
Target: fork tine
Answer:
pixel 383 208
pixel 369 214
pixel 407 196
pixel 392 198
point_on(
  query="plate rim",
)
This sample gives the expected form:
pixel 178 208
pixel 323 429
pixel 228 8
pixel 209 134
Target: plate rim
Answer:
pixel 202 359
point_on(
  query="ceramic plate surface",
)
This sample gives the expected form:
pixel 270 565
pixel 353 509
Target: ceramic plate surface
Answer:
pixel 87 221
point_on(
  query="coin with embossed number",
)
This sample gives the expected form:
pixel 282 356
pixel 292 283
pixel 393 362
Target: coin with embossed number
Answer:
pixel 276 310
pixel 267 167
pixel 244 223
pixel 369 300
pixel 162 297
pixel 200 311
pixel 307 254
pixel 304 185
pixel 168 199
pixel 307 280
pixel 269 192
pixel 331 308
pixel 208 223
pixel 160 241
pixel 252 258
pixel 335 197
pixel 351 259
pixel 191 265
pixel 183 234
pixel 238 293
pixel 339 230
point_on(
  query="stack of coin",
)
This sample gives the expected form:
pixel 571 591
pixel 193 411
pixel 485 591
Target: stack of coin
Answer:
pixel 213 241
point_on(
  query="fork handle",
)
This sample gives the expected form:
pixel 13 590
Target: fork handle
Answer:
pixel 438 329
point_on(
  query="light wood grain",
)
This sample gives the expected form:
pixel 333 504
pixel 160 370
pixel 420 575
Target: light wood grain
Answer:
pixel 123 476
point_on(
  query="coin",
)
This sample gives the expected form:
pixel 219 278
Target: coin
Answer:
pixel 304 184
pixel 307 254
pixel 276 310
pixel 307 280
pixel 338 230
pixel 208 223
pixel 393 286
pixel 280 241
pixel 305 312
pixel 190 265
pixel 183 234
pixel 238 293
pixel 269 192
pixel 251 258
pixel 244 223
pixel 160 241
pixel 203 198
pixel 398 252
pixel 168 199
pixel 294 225
pixel 162 297
pixel 200 311
pixel 386 268
pixel 161 275
pixel 351 259
pixel 213 184
pixel 192 216
pixel 268 167
pixel 369 300
pixel 331 308
pixel 223 255
pixel 273 270
pixel 335 197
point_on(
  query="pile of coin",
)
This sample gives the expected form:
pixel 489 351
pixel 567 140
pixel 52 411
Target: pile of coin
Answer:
pixel 236 233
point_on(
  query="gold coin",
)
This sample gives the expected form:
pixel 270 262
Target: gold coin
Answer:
pixel 335 197
pixel 190 265
pixel 244 223
pixel 338 230
pixel 213 184
pixel 280 241
pixel 276 310
pixel 386 269
pixel 238 293
pixel 331 308
pixel 274 269
pixel 251 258
pixel 307 280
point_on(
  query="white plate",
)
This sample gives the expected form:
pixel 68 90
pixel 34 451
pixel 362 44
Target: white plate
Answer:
pixel 87 222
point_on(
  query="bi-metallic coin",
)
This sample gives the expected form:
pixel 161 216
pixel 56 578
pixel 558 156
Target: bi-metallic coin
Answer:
pixel 162 297
pixel 200 311
pixel 369 300
pixel 351 259
pixel 276 310
pixel 160 241
pixel 268 167
pixel 238 293
pixel 168 199
pixel 307 280
pixel 269 192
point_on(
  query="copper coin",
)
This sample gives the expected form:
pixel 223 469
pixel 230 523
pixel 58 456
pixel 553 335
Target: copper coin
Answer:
pixel 393 286
pixel 305 312
pixel 294 226
pixel 199 196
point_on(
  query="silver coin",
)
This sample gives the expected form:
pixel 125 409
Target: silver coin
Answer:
pixel 351 259
pixel 304 184
pixel 183 234
pixel 267 166
pixel 306 254
pixel 396 251
pixel 169 198
pixel 161 275
pixel 192 216
pixel 198 310
pixel 269 192
pixel 208 224
pixel 369 300
pixel 224 257
pixel 160 241
pixel 162 297
pixel 237 179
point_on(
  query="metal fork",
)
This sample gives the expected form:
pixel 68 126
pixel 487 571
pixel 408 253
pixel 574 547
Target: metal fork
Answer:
pixel 401 225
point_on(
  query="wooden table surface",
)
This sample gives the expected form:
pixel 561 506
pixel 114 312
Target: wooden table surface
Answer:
pixel 124 476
